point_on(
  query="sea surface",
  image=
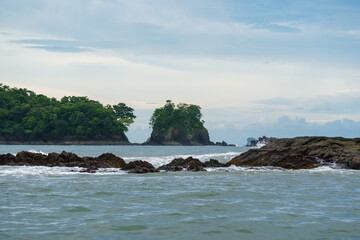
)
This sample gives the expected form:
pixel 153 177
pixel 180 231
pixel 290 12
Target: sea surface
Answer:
pixel 222 203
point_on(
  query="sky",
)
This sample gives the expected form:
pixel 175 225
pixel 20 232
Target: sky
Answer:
pixel 280 68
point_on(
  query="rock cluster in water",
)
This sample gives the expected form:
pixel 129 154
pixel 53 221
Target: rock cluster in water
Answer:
pixel 303 153
pixel 289 153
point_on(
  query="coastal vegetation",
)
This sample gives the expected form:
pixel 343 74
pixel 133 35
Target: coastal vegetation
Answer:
pixel 178 125
pixel 27 116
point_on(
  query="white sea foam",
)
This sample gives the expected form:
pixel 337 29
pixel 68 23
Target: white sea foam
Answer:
pixel 260 144
pixel 51 171
pixel 159 161
pixel 35 151
pixel 322 169
pixel 234 168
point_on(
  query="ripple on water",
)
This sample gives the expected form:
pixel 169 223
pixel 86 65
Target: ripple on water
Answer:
pixel 78 209
pixel 129 228
pixel 102 194
pixel 42 189
pixel 243 231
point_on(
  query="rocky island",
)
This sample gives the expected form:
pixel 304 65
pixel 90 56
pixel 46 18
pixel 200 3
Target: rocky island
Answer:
pixel 178 125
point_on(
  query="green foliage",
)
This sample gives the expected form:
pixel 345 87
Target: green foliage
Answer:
pixel 185 117
pixel 25 115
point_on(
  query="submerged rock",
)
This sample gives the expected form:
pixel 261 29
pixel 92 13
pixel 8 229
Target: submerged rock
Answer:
pixel 91 169
pixel 302 153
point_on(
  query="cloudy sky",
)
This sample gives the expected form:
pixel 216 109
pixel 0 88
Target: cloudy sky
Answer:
pixel 280 68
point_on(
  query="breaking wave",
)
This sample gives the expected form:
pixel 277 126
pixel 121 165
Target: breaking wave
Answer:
pixel 159 161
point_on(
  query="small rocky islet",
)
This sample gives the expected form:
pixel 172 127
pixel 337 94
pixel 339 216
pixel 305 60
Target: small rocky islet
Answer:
pixel 287 153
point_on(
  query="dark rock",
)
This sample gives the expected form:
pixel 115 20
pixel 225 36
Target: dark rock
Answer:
pixel 214 163
pixel 302 153
pixel 30 159
pixel 139 166
pixel 64 159
pixel 223 143
pixel 112 160
pixel 91 169
pixel 7 159
pixel 178 164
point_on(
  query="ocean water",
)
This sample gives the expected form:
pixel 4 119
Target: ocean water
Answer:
pixel 222 203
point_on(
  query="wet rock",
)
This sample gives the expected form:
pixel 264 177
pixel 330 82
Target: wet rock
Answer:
pixel 30 159
pixel 7 159
pixel 303 153
pixel 139 166
pixel 214 163
pixel 112 160
pixel 178 164
pixel 64 159
pixel 225 144
pixel 91 169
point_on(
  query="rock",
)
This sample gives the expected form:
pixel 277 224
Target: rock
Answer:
pixel 302 153
pixel 214 163
pixel 178 164
pixel 354 161
pixel 112 160
pixel 64 159
pixel 30 159
pixel 7 159
pixel 91 169
pixel 139 166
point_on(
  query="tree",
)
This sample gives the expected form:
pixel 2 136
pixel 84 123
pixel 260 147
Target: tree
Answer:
pixel 25 115
pixel 184 116
pixel 124 114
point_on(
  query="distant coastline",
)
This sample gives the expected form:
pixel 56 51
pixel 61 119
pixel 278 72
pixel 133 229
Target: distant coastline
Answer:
pixel 106 142
pixel 89 142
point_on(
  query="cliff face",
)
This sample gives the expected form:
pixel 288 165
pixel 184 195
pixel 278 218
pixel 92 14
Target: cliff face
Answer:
pixel 176 136
pixel 303 152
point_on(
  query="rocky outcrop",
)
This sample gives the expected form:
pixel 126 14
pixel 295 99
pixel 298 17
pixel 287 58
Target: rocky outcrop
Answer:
pixel 139 166
pixel 64 159
pixel 177 137
pixel 302 153
pixel 106 160
pixel 190 164
pixel 224 144
pixel 112 160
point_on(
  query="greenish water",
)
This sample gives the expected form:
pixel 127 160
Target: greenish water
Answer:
pixel 235 203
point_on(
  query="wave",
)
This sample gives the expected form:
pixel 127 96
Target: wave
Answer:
pixel 33 151
pixel 159 161
pixel 23 171
pixel 20 171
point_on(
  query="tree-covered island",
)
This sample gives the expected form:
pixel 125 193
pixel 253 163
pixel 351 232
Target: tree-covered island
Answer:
pixel 27 117
pixel 178 125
